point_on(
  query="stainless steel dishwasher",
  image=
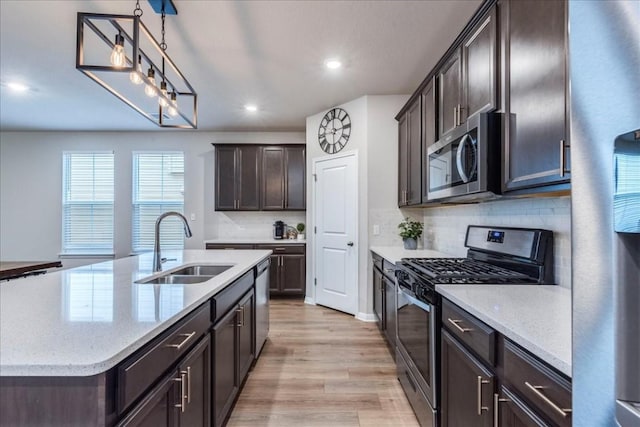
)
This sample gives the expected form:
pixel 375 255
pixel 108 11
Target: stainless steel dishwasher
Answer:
pixel 262 304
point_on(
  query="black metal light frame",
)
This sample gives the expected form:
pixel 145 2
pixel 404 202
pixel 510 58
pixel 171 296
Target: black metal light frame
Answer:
pixel 87 20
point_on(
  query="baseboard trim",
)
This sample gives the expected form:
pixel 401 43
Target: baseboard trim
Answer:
pixel 366 317
pixel 309 300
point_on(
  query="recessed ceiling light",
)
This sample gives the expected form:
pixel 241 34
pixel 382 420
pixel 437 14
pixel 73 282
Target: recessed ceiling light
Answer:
pixel 17 87
pixel 333 64
pixel 251 108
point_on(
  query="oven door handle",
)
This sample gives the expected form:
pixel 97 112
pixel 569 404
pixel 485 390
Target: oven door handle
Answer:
pixel 426 307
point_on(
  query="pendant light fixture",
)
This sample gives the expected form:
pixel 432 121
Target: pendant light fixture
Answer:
pixel 134 50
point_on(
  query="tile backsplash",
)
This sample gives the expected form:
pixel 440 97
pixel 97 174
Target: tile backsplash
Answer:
pixel 445 227
pixel 259 224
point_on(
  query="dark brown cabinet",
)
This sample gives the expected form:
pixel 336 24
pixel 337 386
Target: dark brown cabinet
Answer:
pixel 389 295
pixel 194 386
pixel 287 275
pixel 378 298
pixel 237 178
pixel 260 177
pixel 468 78
pixel 534 42
pixel 158 409
pixel 384 299
pixel 429 130
pixel 467 387
pixel 513 412
pixel 410 156
pixel 246 332
pixel 283 178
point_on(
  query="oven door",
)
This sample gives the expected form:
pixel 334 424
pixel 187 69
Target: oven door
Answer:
pixel 417 340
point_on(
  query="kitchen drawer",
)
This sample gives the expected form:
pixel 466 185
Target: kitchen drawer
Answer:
pixel 227 246
pixel 286 248
pixel 477 336
pixel 142 369
pixel 537 384
pixel 231 295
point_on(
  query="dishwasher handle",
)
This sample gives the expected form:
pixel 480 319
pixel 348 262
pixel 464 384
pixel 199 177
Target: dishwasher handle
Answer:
pixel 264 265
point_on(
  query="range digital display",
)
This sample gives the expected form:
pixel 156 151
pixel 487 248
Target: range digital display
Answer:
pixel 495 236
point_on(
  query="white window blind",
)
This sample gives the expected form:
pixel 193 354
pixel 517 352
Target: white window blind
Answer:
pixel 158 186
pixel 87 203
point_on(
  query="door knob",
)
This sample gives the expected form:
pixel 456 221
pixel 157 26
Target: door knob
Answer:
pixel 349 243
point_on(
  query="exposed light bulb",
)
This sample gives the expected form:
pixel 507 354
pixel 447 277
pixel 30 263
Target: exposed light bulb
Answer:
pixel 136 75
pixel 118 57
pixel 150 87
pixel 173 111
pixel 163 93
pixel 333 64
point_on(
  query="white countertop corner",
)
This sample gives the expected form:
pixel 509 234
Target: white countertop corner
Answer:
pixel 394 254
pixel 537 317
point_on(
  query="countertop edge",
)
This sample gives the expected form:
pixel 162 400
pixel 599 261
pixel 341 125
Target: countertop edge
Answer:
pixel 394 254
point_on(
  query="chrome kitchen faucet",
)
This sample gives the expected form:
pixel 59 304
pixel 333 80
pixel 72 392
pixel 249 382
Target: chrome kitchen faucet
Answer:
pixel 157 260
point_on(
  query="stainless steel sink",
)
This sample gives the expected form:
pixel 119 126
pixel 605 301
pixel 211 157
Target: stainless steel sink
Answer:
pixel 202 270
pixel 188 275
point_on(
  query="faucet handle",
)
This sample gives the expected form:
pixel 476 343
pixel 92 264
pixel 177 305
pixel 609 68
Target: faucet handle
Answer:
pixel 163 260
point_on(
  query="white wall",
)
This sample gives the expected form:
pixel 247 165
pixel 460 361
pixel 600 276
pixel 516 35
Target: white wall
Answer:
pixel 375 138
pixel 31 186
pixel 445 227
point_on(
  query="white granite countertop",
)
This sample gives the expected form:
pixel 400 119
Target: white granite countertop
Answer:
pixel 396 253
pixel 257 240
pixel 84 321
pixel 537 317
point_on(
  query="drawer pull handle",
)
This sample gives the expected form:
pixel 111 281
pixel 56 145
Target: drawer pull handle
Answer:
pixel 455 322
pixel 186 339
pixel 536 389
pixel 279 249
pixel 389 270
pixel 188 384
pixel 182 405
pixel 480 407
pixel 240 311
pixel 496 408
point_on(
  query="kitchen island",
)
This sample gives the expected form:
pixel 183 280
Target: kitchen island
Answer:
pixel 79 329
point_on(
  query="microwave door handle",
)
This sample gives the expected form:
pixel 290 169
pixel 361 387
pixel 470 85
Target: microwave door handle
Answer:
pixel 459 154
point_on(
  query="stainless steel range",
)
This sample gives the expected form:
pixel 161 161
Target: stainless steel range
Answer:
pixel 496 255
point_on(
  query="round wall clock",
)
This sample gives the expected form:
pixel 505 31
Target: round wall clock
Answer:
pixel 334 130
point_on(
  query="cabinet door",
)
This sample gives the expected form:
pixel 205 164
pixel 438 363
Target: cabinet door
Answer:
pixel 246 334
pixel 403 159
pixel 195 386
pixel 225 369
pixel 377 298
pixel 273 178
pixel 295 167
pixel 479 60
pixel 535 82
pixel 225 178
pixel 390 314
pixel 429 131
pixel 248 177
pixel 449 93
pixel 467 387
pixel 513 412
pixel 414 187
pixel 274 274
pixel 293 280
pixel 158 407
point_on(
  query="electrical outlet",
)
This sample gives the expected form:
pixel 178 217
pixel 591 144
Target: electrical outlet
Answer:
pixel 376 230
pixel 193 217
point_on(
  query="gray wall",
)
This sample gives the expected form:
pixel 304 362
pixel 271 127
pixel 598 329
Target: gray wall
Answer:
pixel 31 186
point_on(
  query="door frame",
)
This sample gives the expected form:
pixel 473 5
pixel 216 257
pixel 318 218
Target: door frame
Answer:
pixel 314 242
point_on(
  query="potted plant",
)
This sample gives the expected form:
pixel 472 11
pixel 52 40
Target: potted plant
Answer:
pixel 410 231
pixel 300 228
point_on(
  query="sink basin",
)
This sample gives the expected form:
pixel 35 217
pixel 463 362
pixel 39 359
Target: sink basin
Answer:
pixel 177 279
pixel 188 275
pixel 202 270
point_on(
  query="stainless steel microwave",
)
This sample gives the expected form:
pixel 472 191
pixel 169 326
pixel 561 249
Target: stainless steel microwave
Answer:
pixel 465 165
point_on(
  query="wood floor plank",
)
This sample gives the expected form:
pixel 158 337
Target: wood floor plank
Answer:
pixel 320 368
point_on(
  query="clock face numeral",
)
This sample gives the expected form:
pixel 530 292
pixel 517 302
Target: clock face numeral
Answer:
pixel 334 131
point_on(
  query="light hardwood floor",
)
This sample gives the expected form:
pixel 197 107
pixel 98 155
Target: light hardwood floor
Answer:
pixel 321 367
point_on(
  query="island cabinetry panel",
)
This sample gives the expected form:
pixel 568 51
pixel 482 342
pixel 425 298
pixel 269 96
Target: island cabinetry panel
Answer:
pixel 237 177
pixel 410 156
pixel 534 72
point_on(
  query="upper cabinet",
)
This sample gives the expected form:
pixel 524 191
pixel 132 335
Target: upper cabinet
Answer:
pixel 237 174
pixel 468 78
pixel 429 130
pixel 410 156
pixel 260 177
pixel 534 72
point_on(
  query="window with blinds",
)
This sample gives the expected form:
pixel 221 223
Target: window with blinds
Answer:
pixel 158 187
pixel 87 203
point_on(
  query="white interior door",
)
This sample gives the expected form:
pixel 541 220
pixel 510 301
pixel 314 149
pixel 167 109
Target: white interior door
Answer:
pixel 335 240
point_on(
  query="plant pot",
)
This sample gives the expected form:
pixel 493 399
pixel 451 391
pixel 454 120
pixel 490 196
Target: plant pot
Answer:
pixel 300 236
pixel 410 243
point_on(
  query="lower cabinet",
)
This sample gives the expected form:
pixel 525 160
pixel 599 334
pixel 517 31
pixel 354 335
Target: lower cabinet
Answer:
pixel 378 297
pixel 384 299
pixel 389 294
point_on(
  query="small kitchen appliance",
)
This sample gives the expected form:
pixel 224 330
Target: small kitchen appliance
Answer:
pixel 496 255
pixel 279 228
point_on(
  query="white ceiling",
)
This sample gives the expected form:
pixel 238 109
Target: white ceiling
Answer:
pixel 270 53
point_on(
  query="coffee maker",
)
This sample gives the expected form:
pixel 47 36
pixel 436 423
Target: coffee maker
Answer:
pixel 279 230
